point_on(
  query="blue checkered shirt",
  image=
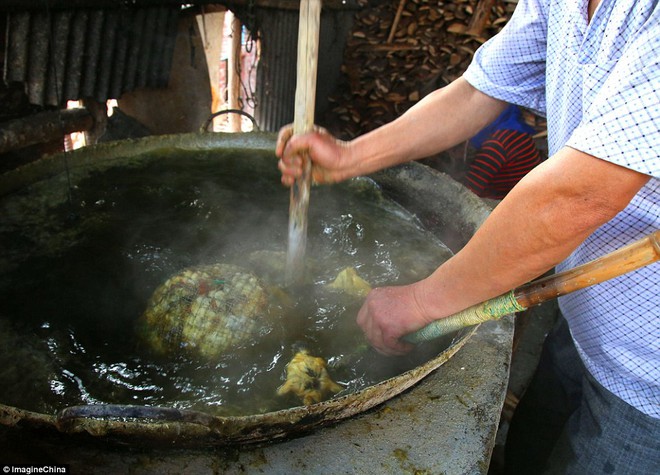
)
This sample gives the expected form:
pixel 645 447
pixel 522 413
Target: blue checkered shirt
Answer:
pixel 598 83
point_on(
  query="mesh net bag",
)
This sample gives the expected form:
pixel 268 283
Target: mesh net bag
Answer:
pixel 207 310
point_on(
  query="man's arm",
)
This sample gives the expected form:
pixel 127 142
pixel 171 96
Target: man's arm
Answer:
pixel 539 223
pixel 441 120
pixel 444 118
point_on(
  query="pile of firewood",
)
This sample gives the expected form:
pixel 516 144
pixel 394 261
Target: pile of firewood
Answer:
pixel 400 50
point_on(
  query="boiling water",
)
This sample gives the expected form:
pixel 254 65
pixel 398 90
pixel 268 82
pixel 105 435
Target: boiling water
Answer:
pixel 83 258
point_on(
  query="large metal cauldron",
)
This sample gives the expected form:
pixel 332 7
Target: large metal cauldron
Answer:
pixel 444 207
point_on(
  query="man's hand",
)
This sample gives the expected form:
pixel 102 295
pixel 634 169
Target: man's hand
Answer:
pixel 388 314
pixel 422 131
pixel 328 155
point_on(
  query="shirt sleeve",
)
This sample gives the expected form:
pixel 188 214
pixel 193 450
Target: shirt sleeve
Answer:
pixel 621 122
pixel 511 65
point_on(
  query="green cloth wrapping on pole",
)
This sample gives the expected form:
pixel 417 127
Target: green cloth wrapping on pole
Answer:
pixel 490 310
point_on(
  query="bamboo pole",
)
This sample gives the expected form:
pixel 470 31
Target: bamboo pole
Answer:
pixel 305 97
pixel 638 254
pixel 634 256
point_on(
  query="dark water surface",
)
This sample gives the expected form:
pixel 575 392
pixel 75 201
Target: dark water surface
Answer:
pixel 77 275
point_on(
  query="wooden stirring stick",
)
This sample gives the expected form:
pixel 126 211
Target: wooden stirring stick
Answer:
pixel 308 46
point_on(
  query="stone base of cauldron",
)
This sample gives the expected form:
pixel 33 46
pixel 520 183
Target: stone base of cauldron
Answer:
pixel 445 424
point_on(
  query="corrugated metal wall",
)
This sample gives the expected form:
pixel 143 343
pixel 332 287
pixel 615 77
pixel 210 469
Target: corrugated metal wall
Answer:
pixel 276 75
pixel 89 53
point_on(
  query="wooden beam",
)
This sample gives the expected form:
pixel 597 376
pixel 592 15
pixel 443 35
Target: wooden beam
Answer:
pixel 43 127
